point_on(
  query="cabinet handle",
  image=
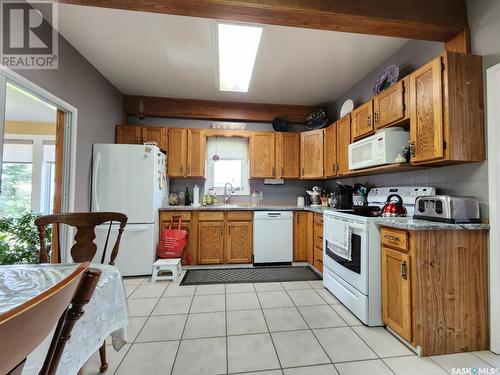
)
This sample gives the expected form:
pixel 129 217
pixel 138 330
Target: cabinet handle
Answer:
pixel 221 231
pixel 188 169
pixel 376 117
pixel 136 140
pixel 282 171
pixel 333 167
pixel 413 149
pixel 229 229
pixel 274 172
pixel 404 270
pixel 298 219
pixel 392 238
pixel 302 171
pixel 369 120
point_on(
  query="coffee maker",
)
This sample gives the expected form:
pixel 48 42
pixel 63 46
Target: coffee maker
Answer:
pixel 342 197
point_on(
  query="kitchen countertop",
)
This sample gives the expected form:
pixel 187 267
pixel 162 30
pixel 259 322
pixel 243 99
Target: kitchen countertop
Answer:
pixel 243 207
pixel 416 224
pixel 398 223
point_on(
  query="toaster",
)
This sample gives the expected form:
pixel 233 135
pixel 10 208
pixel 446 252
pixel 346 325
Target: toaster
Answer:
pixel 447 209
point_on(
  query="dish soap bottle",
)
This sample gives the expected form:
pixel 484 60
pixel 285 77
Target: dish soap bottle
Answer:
pixel 187 198
pixel 255 198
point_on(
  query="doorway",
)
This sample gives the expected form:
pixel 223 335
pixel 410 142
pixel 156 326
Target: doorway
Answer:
pixel 37 152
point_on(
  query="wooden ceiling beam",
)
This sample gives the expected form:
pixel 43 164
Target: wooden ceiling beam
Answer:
pixel 215 110
pixel 434 20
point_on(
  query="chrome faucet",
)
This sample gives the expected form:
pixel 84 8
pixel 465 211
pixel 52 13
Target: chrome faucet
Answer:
pixel 231 190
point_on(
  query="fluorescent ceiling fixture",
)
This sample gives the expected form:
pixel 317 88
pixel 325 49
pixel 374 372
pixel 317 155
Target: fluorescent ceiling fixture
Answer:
pixel 238 46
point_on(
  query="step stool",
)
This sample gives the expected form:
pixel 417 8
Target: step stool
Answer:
pixel 171 265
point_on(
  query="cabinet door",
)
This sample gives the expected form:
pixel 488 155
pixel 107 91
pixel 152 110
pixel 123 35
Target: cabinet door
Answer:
pixel 239 242
pixel 196 153
pixel 128 134
pixel 426 113
pixel 158 135
pixel 396 297
pixel 176 164
pixel 262 154
pixel 311 154
pixel 330 149
pixel 389 105
pixel 287 155
pixel 302 237
pixel 343 141
pixel 362 120
pixel 211 242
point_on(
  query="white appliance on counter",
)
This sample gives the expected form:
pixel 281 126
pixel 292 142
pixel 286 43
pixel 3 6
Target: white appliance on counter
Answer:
pixel 130 179
pixel 272 237
pixel 379 149
pixel 356 281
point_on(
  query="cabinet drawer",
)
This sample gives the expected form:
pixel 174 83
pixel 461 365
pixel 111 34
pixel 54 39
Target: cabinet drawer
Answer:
pixel 394 238
pixel 167 215
pixel 318 236
pixel 318 219
pixel 211 216
pixel 318 254
pixel 240 215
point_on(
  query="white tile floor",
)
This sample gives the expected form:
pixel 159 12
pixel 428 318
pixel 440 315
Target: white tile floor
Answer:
pixel 292 328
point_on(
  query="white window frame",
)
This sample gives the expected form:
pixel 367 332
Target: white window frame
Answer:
pixel 245 181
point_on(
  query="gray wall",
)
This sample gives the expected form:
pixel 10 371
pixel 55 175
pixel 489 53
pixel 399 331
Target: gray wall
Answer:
pixel 409 57
pixel 98 102
pixel 484 22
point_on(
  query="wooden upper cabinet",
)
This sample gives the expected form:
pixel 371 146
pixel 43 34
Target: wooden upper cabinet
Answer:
pixel 127 134
pixel 362 120
pixel 343 141
pixel 155 134
pixel 239 238
pixel 196 153
pixel 447 110
pixel 211 242
pixel 177 154
pixel 426 113
pixel 262 154
pixel 311 154
pixel 389 107
pixel 287 155
pixel 330 150
pixel 396 292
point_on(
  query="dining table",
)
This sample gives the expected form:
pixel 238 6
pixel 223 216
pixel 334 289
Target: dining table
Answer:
pixel 106 314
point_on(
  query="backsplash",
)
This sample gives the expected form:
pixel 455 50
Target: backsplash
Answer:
pixel 462 180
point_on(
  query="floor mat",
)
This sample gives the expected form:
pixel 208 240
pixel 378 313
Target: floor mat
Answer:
pixel 249 275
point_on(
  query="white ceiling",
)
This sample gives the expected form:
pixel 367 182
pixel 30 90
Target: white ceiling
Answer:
pixel 173 56
pixel 24 107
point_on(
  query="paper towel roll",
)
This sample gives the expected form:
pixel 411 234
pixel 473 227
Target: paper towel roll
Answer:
pixel 196 196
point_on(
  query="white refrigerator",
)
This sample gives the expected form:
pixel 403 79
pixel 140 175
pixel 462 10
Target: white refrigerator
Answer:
pixel 130 179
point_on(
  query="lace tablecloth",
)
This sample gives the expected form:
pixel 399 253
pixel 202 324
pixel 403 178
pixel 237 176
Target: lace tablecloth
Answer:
pixel 106 314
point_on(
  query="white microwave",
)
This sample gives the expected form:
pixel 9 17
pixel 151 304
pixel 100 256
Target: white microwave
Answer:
pixel 379 149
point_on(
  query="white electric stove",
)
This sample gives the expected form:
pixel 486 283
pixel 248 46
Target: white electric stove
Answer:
pixel 356 282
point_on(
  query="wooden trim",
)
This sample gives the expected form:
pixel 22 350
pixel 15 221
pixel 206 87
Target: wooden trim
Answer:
pixel 424 19
pixel 59 166
pixel 460 42
pixel 228 133
pixel 215 110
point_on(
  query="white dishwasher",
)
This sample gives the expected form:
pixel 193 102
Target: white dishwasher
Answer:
pixel 272 237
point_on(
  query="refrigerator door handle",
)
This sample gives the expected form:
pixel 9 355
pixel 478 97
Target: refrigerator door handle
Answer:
pixel 95 173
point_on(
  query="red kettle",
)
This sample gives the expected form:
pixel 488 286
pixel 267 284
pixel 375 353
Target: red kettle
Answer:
pixel 394 208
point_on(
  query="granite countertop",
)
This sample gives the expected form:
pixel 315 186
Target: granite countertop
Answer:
pixel 244 207
pixel 416 224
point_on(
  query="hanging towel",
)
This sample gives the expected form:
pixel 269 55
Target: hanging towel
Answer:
pixel 338 237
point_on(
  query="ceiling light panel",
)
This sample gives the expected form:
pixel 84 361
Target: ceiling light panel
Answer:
pixel 238 45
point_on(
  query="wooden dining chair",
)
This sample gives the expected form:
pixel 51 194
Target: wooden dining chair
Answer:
pixel 26 326
pixel 84 249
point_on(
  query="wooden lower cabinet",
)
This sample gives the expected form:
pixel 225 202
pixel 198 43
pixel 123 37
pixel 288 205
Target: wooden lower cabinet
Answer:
pixel 396 296
pixel 435 289
pixel 211 246
pixel 302 236
pixel 190 224
pixel 239 237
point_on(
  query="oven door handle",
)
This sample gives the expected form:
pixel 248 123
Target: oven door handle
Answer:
pixel 351 224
